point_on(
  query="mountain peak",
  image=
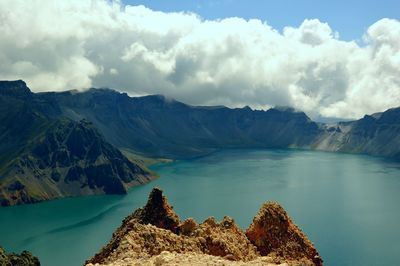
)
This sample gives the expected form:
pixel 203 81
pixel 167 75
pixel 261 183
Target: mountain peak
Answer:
pixel 16 88
pixel 288 109
pixel 272 230
pixel 158 212
pixel 158 98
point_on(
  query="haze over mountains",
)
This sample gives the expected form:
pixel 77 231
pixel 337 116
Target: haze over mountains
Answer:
pixel 57 144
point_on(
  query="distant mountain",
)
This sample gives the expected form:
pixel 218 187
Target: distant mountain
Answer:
pixel 45 155
pixel 377 134
pixel 52 144
pixel 157 126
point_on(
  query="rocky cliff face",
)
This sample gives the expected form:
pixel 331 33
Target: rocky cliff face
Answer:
pixel 68 159
pixel 158 126
pixel 154 235
pixel 44 155
pixel 23 259
pixel 377 134
pixel 274 233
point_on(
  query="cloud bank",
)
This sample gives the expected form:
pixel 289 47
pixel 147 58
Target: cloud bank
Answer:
pixel 62 45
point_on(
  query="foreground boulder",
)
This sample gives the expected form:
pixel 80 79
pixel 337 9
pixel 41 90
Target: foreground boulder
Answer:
pixel 154 235
pixel 23 259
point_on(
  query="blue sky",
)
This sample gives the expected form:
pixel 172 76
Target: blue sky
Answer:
pixel 350 18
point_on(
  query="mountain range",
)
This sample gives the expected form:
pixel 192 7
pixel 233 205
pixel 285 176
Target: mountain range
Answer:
pixel 56 144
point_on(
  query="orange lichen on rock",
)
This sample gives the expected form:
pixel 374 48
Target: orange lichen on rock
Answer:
pixel 155 234
pixel 274 233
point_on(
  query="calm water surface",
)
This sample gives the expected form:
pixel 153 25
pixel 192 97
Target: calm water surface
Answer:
pixel 348 205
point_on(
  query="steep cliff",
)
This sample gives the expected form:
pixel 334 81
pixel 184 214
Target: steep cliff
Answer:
pixel 45 156
pixel 154 235
pixel 376 134
pixel 157 126
pixel 68 159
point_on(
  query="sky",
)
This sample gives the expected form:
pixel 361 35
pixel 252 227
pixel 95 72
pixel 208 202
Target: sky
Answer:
pixel 349 17
pixel 337 60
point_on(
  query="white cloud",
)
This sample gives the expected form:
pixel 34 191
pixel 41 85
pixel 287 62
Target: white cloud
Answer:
pixel 60 45
pixel 311 32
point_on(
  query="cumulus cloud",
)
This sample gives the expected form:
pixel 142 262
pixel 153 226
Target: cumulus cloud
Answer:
pixel 62 45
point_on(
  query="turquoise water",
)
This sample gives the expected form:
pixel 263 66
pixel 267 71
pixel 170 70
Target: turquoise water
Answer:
pixel 348 205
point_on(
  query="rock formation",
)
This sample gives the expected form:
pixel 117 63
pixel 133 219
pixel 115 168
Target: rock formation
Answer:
pixel 272 231
pixel 44 155
pixel 23 259
pixel 377 134
pixel 154 235
pixel 68 159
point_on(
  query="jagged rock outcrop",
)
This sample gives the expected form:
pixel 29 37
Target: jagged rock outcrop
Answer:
pixel 273 232
pixel 158 212
pixel 154 235
pixel 23 259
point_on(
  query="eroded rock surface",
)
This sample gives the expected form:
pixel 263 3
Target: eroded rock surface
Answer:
pixel 158 212
pixel 273 232
pixel 154 235
pixel 23 259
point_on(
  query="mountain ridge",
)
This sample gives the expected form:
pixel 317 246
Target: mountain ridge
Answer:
pixel 157 126
pixel 168 128
pixel 45 155
pixel 173 129
pixel 149 126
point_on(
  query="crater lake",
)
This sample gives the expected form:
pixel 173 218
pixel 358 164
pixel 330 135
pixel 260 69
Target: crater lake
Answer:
pixel 348 205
